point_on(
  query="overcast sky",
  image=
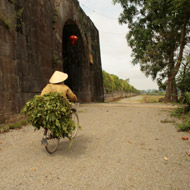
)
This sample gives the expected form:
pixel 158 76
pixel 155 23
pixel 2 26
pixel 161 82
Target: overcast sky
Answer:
pixel 115 52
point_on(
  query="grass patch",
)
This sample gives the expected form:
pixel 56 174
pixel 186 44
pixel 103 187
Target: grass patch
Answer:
pixel 167 121
pixel 178 112
pixel 185 124
pixel 15 122
pixel 184 117
pixel 151 99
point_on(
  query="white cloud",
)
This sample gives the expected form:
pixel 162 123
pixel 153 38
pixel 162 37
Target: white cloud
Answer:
pixel 115 52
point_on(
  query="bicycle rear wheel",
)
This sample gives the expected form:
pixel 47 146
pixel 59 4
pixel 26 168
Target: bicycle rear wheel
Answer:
pixel 52 142
pixel 75 118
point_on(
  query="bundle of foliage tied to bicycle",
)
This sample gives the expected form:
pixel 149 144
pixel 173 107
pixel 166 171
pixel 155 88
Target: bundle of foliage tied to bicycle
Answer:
pixel 51 111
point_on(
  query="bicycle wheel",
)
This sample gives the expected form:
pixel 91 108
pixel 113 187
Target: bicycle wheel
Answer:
pixel 52 142
pixel 75 118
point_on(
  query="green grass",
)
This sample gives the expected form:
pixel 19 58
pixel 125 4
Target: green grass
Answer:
pixel 151 99
pixel 167 121
pixel 178 112
pixel 14 123
pixel 184 117
pixel 185 125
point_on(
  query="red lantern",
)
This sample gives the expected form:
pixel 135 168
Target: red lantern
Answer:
pixel 73 39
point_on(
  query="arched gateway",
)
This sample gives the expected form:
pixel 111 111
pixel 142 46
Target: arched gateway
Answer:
pixel 74 58
pixel 36 43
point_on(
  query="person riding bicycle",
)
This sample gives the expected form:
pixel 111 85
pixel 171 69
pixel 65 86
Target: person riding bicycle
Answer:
pixel 56 84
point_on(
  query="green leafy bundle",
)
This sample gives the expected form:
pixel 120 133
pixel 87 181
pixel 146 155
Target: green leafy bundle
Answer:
pixel 51 111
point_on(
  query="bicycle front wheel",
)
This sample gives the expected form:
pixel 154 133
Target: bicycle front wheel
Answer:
pixel 52 142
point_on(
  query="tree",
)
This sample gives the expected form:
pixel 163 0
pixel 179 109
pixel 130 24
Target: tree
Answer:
pixel 158 33
pixel 183 78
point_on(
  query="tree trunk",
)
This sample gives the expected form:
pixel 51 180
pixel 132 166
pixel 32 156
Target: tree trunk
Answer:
pixel 182 92
pixel 182 88
pixel 171 91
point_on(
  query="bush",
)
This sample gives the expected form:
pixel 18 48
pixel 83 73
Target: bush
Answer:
pixel 185 125
pixel 51 111
pixel 183 114
pixel 178 112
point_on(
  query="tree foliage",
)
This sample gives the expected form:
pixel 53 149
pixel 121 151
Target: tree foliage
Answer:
pixel 112 84
pixel 183 78
pixel 158 33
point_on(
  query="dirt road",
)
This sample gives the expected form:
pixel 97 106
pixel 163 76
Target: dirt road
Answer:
pixel 123 145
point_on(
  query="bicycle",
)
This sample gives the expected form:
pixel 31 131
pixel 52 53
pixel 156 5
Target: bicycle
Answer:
pixel 51 142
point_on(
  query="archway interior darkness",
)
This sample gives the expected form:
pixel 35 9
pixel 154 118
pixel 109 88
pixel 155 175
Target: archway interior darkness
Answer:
pixel 73 57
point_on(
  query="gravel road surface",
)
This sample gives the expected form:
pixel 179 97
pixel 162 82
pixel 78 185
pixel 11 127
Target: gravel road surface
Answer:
pixel 123 145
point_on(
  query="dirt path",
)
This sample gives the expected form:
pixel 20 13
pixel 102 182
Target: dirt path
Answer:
pixel 122 146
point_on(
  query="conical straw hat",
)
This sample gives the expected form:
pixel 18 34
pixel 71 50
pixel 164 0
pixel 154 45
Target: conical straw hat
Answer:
pixel 58 77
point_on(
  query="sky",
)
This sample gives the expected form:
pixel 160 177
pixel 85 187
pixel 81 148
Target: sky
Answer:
pixel 115 52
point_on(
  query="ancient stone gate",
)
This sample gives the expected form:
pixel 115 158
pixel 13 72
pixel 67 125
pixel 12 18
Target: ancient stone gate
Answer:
pixel 34 42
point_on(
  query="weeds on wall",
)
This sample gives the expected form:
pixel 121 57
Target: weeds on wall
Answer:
pixel 18 17
pixel 11 1
pixel 54 18
pixel 55 60
pixel 9 22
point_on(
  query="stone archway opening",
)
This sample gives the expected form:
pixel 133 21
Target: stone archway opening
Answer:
pixel 73 57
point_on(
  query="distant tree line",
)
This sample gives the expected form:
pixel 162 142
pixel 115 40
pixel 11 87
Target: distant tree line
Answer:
pixel 113 83
pixel 153 92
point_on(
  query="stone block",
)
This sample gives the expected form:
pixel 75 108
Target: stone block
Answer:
pixel 1 82
pixel 7 50
pixel 10 103
pixel 10 83
pixel 8 65
pixel 1 102
pixel 30 85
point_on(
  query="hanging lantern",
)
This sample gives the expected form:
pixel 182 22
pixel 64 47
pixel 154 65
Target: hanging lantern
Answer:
pixel 73 39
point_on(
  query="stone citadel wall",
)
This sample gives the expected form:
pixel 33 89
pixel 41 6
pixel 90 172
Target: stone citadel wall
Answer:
pixel 34 42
